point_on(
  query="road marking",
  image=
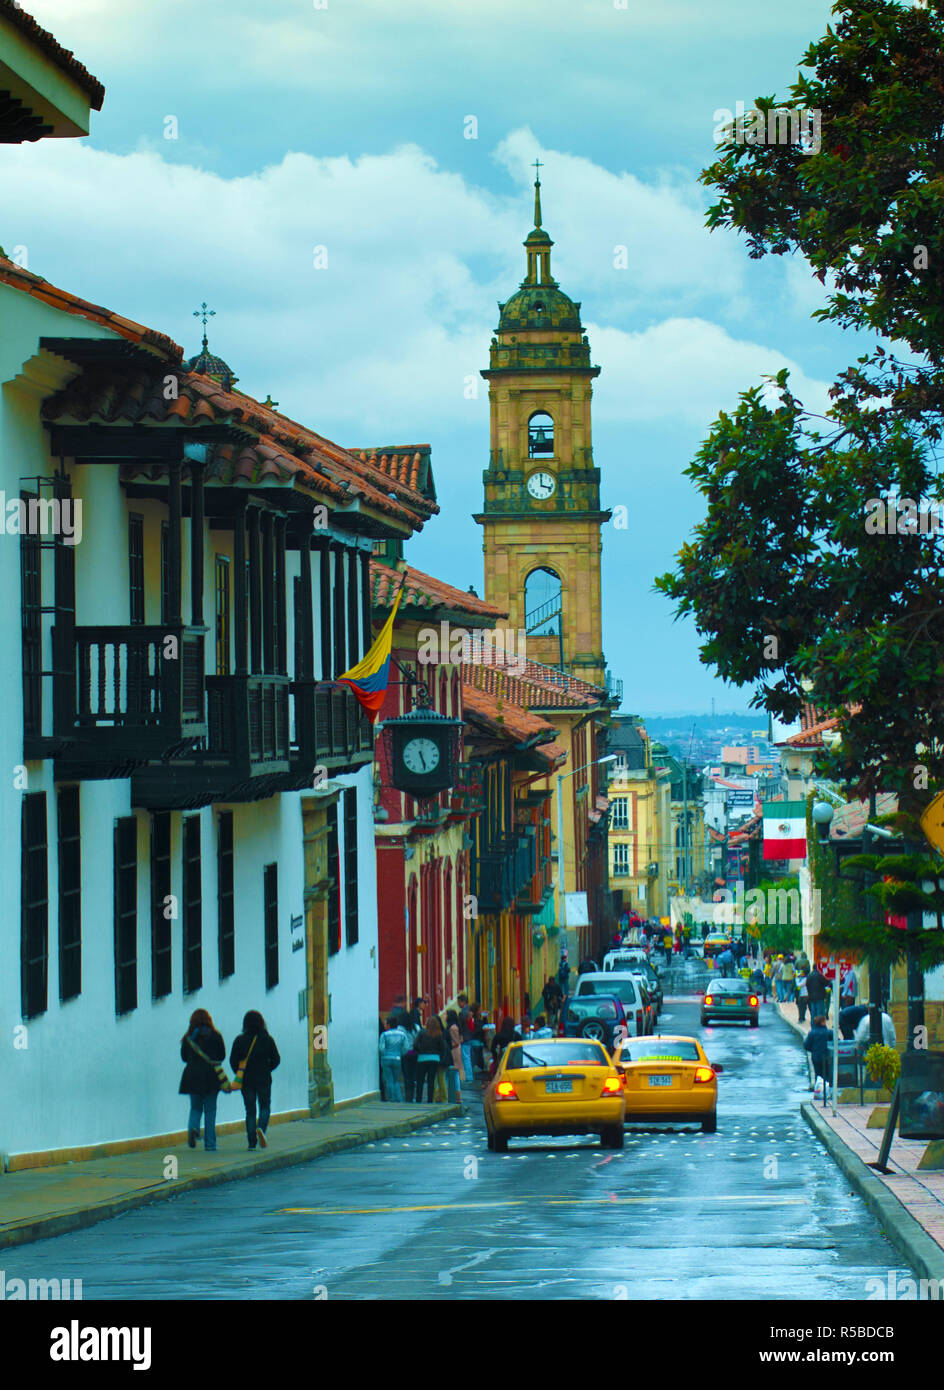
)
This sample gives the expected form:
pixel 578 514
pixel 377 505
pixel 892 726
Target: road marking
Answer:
pixel 758 1201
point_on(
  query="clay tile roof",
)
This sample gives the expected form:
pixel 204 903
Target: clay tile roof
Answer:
pixel 406 464
pixel 425 592
pixel 528 683
pixel 20 279
pixel 504 717
pixel 43 40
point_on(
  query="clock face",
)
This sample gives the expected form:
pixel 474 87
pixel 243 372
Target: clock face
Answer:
pixel 421 755
pixel 541 485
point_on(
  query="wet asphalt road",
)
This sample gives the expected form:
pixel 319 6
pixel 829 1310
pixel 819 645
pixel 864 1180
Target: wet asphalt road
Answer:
pixel 756 1210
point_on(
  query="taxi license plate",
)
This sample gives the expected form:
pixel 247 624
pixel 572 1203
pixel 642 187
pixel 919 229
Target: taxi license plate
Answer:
pixel 557 1085
pixel 660 1081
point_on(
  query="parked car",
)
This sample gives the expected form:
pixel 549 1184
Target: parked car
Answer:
pixel 630 990
pixel 668 1078
pixel 732 999
pixel 624 958
pixel 644 971
pixel 597 1016
pixel 555 1086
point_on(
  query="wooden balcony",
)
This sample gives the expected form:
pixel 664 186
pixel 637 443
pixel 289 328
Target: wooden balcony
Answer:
pixel 331 730
pixel 125 695
pixel 245 755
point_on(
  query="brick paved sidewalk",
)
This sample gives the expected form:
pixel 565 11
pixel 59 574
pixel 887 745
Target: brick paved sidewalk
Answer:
pixel 40 1202
pixel 918 1205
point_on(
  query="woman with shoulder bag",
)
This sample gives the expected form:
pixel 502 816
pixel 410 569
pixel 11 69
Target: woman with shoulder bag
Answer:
pixel 202 1049
pixel 430 1056
pixel 254 1058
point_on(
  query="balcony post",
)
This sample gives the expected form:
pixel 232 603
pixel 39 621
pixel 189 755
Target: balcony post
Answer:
pixel 196 543
pixel 269 664
pixel 281 655
pixel 241 634
pixel 175 512
pixel 255 605
pixel 365 600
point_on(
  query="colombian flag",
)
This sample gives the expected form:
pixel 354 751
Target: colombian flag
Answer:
pixel 368 679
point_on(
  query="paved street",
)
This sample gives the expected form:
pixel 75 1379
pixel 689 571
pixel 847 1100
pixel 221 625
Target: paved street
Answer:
pixel 757 1210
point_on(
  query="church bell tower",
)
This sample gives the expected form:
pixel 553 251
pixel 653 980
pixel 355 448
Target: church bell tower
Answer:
pixel 542 519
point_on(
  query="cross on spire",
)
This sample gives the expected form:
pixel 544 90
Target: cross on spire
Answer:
pixel 204 313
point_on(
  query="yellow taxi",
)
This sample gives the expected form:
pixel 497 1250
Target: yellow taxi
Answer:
pixel 668 1078
pixel 715 943
pixel 555 1086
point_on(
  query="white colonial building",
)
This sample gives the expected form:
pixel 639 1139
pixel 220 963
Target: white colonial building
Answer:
pixel 187 812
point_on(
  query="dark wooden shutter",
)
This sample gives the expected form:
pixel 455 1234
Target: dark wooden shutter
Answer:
pixel 334 891
pixel 224 895
pixel 350 865
pixel 126 914
pixel 161 932
pixel 192 906
pixel 136 568
pixel 70 894
pixel 34 906
pixel 31 605
pixel 270 896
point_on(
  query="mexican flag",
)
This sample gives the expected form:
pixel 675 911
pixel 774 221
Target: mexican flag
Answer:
pixel 784 829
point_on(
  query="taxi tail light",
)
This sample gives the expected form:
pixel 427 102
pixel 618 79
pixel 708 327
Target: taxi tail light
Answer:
pixel 612 1085
pixel 753 1001
pixel 505 1091
pixel 704 1074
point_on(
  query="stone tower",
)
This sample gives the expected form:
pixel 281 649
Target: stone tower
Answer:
pixel 542 517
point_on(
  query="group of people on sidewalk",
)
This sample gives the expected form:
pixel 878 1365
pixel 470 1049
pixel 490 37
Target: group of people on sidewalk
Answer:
pixel 434 1057
pixel 253 1058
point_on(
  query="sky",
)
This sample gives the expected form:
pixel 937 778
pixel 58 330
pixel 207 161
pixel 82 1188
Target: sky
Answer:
pixel 347 183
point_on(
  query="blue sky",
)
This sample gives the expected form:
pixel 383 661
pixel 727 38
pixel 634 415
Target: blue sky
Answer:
pixel 343 125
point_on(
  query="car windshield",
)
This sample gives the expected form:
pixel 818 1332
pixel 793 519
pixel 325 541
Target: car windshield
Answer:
pixel 623 989
pixel 593 1008
pixel 663 1049
pixel 556 1054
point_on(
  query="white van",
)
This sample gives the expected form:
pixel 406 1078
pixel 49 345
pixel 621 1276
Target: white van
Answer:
pixel 624 958
pixel 629 989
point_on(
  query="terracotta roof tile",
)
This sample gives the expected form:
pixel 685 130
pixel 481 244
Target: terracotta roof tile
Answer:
pixel 424 592
pixel 406 464
pixel 24 280
pixel 505 718
pixel 529 683
pixel 65 58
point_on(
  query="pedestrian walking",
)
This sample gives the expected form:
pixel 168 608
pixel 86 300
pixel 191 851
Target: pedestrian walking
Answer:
pixel 787 979
pixel 848 988
pixel 818 1042
pixel 803 997
pixel 202 1049
pixel 467 1035
pixel 394 1043
pixel 454 1066
pixel 541 1028
pixel 563 974
pixel 254 1057
pixel 816 990
pixel 759 981
pixel 430 1056
pixel 552 997
pixel 412 1027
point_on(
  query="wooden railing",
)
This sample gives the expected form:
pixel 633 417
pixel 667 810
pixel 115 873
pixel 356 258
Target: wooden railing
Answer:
pixel 139 680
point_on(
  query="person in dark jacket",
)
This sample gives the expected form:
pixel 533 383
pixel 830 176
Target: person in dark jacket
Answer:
pixel 818 1042
pixel 200 1047
pixel 431 1054
pixel 817 989
pixel 255 1048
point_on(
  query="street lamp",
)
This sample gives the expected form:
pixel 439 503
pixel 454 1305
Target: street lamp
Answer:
pixel 561 776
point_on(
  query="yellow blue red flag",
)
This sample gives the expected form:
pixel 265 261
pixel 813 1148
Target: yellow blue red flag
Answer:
pixel 369 678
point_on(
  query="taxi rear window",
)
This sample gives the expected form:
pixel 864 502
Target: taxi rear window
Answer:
pixel 573 1053
pixel 652 1049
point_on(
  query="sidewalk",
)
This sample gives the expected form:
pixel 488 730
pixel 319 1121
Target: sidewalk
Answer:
pixel 40 1202
pixel 908 1202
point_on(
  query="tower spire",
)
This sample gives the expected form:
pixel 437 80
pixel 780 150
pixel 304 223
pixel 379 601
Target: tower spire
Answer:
pixel 537 192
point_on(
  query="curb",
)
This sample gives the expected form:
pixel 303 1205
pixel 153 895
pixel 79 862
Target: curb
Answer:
pixel 77 1218
pixel 909 1237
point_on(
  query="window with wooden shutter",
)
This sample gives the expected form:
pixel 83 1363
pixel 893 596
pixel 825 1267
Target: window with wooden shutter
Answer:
pixel 34 906
pixel 192 906
pixel 350 865
pixel 161 962
pixel 270 895
pixel 70 894
pixel 126 914
pixel 224 893
pixel 334 890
